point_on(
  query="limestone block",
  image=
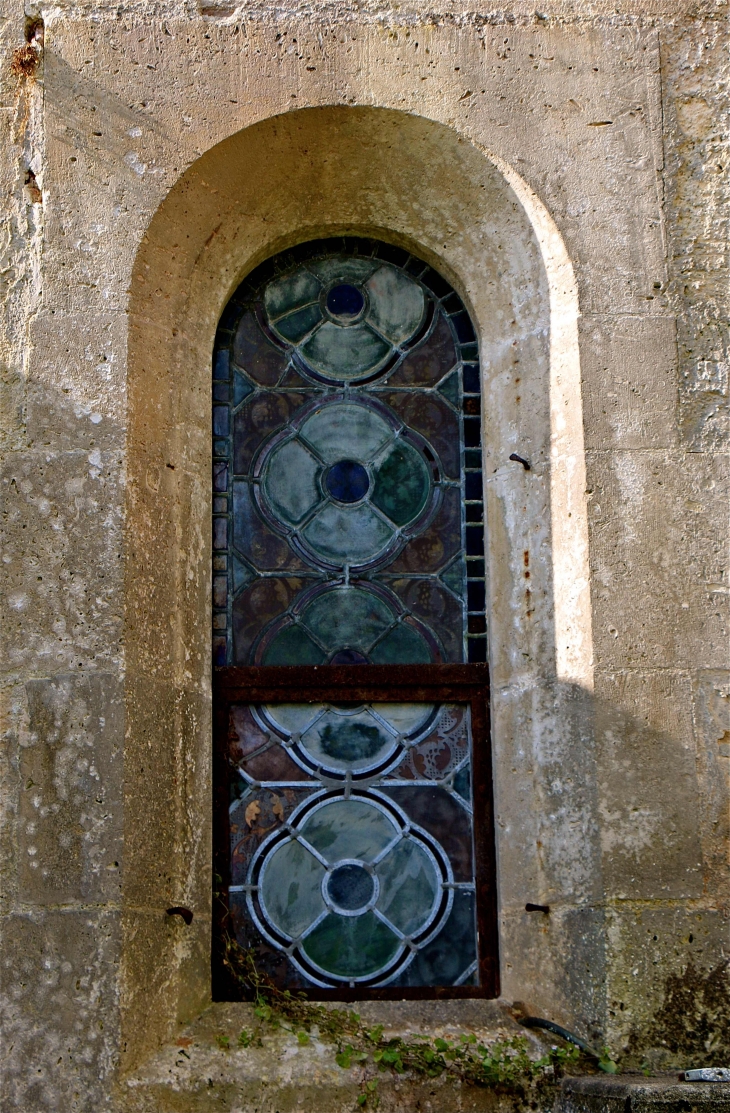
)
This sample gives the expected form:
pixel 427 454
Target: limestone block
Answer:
pixel 70 821
pixel 667 984
pixel 545 796
pixel 592 92
pixel 659 540
pixel 556 964
pixel 613 1095
pixel 62 559
pixel 629 372
pixel 168 789
pixel 55 422
pixel 76 380
pixel 695 68
pixel 59 1002
pixel 165 977
pixel 648 794
pixel 711 716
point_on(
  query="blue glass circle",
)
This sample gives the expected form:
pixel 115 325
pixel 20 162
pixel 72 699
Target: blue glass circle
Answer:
pixel 348 657
pixel 345 300
pixel 347 481
pixel 350 887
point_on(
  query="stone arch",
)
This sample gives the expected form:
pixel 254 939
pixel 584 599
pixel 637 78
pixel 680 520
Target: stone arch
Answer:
pixel 309 173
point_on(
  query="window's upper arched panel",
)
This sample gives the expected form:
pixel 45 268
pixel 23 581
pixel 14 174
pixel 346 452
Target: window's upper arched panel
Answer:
pixel 348 521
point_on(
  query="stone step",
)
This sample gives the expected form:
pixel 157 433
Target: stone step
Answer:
pixel 636 1094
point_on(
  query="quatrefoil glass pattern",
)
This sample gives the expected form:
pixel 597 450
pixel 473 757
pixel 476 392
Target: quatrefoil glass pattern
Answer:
pixel 348 530
pixel 347 483
pixel 352 860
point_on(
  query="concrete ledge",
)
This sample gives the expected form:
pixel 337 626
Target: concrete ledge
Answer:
pixel 195 1075
pixel 635 1094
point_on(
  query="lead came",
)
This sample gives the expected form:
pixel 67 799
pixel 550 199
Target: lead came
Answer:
pixel 348 461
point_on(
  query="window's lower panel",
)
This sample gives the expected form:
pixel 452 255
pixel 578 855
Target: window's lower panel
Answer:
pixel 356 839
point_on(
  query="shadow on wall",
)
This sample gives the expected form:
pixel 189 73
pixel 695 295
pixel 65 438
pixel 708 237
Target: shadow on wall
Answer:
pixel 640 932
pixel 583 813
pixel 648 909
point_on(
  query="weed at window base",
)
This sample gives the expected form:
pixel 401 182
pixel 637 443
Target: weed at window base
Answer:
pixel 504 1065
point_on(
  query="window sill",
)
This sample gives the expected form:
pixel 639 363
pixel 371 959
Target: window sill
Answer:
pixel 196 1075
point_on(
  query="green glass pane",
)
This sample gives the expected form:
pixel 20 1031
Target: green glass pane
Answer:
pixel 402 646
pixel 444 960
pixel 291 888
pixel 409 886
pixel 396 304
pixel 343 740
pixel 351 946
pixel 296 325
pixel 405 718
pixel 290 482
pixel 349 829
pixel 291 292
pixel 293 646
pixel 455 578
pixel 293 717
pixel 343 269
pixel 344 353
pixel 345 431
pixel 462 783
pixel 451 389
pixel 402 484
pixel 347 616
pixel 347 535
pixel 242 574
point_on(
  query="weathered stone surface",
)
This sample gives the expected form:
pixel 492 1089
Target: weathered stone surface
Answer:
pixel 69 826
pixel 629 367
pixel 62 560
pixel 652 949
pixel 659 533
pixel 624 1093
pixel 650 839
pixel 59 999
pixel 277 1073
pixel 566 169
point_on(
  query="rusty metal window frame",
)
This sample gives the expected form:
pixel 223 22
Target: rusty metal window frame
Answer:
pixel 458 683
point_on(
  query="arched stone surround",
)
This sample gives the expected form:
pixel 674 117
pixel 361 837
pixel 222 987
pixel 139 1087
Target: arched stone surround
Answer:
pixel 418 183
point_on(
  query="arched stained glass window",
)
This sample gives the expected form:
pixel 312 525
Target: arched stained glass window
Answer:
pixel 348 574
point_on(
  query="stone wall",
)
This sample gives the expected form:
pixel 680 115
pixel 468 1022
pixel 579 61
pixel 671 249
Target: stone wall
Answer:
pixel 570 159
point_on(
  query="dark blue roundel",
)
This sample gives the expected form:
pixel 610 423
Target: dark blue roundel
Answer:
pixel 347 481
pixel 350 886
pixel 345 300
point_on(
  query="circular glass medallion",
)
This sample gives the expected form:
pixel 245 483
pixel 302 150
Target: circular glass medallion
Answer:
pixel 347 481
pixel 347 318
pixel 349 888
pixel 350 882
pixel 345 300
